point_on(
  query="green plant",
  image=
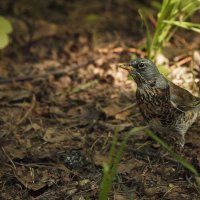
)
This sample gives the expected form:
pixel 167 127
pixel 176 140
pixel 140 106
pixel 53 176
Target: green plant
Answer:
pixel 171 10
pixel 178 158
pixel 115 155
pixel 110 168
pixel 185 25
pixel 5 29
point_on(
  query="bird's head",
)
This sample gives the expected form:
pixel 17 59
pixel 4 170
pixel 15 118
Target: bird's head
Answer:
pixel 142 70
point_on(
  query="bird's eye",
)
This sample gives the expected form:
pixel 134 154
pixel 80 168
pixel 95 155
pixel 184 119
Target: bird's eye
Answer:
pixel 141 65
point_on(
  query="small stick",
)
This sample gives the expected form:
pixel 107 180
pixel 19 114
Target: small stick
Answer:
pixel 127 108
pixel 28 111
pixel 183 61
pixel 9 158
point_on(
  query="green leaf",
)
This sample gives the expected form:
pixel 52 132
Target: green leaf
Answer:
pixel 3 40
pixel 185 25
pixel 5 25
pixel 92 18
pixel 115 155
pixel 163 69
pixel 171 10
pixel 178 158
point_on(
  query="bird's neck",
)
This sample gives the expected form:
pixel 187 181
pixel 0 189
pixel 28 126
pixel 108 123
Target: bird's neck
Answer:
pixel 145 83
pixel 147 95
pixel 158 89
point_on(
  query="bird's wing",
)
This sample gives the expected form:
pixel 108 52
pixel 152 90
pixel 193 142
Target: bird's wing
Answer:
pixel 182 99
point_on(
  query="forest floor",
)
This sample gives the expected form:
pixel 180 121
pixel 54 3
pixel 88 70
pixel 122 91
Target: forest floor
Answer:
pixel 62 96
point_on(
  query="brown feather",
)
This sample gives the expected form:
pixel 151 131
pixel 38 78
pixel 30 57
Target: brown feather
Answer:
pixel 183 99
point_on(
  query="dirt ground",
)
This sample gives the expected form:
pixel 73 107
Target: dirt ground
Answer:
pixel 62 96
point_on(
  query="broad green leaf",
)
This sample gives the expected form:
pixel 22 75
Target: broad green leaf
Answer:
pixel 5 25
pixel 3 40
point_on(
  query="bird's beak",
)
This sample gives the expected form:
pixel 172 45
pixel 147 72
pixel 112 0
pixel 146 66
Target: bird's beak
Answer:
pixel 125 66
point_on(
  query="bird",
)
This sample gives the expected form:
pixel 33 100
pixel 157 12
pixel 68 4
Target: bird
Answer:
pixel 167 108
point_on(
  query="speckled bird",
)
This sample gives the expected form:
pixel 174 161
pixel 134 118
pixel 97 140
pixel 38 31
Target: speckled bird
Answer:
pixel 166 107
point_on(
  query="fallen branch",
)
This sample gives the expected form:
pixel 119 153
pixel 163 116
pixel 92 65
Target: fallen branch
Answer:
pixel 45 75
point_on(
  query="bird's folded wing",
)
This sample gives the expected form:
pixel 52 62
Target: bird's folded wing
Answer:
pixel 182 99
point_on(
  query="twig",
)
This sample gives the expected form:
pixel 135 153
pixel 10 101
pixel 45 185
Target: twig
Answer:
pixel 45 75
pixel 9 158
pixel 152 20
pixel 84 86
pixel 183 61
pixel 39 165
pixel 137 51
pixel 169 190
pixel 142 155
pixel 28 111
pixel 127 108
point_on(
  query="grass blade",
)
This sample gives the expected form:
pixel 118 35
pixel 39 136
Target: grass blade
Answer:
pixel 110 168
pixel 178 158
pixel 185 25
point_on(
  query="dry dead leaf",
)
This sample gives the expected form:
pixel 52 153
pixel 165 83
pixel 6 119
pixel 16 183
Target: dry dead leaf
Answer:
pixel 120 197
pixel 111 110
pixel 57 111
pixel 196 56
pixel 123 115
pixel 44 29
pixel 33 126
pixel 15 95
pixel 30 179
pixel 56 135
pixel 15 152
pixel 128 165
pixel 114 125
pixel 100 61
pixel 52 135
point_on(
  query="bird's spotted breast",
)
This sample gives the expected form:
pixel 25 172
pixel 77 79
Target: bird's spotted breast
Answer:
pixel 153 103
pixel 158 111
